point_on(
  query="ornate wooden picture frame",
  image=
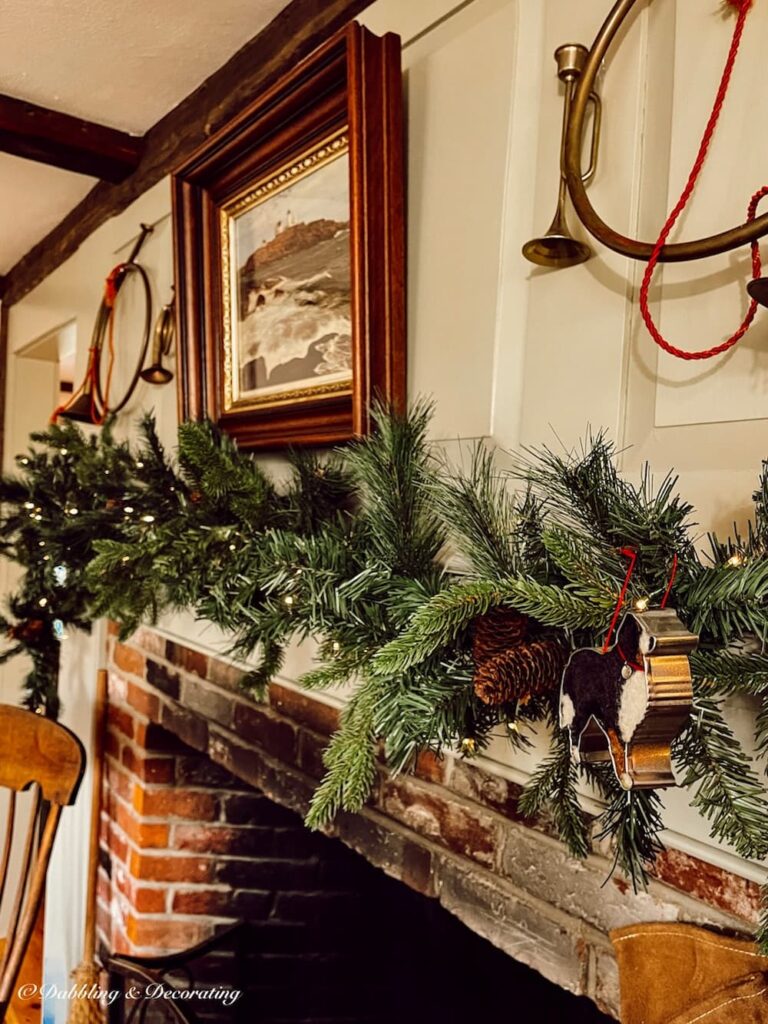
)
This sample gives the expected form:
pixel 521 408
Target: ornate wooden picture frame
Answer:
pixel 289 250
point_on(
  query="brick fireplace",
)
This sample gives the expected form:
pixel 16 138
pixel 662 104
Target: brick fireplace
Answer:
pixel 203 795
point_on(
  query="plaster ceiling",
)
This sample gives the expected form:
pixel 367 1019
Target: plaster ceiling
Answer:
pixel 123 63
pixel 33 199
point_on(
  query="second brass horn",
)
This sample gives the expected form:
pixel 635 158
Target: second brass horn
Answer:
pixel 156 373
pixel 558 247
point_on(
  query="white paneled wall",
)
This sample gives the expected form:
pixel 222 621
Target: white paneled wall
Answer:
pixel 509 351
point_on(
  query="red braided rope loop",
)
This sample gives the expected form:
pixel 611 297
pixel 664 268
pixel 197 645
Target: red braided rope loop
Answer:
pixel 708 353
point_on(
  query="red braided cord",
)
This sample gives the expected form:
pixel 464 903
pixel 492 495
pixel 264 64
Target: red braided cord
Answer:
pixel 743 7
pixel 671 583
pixel 631 554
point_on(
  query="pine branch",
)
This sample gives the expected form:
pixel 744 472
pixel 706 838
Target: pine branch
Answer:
pixel 350 760
pixel 727 791
pixel 730 671
pixel 552 787
pixel 492 528
pixel 633 821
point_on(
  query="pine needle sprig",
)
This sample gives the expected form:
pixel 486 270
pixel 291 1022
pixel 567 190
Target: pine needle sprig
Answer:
pixel 726 789
pixel 552 789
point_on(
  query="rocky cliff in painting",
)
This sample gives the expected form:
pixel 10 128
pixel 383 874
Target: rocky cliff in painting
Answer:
pixel 294 306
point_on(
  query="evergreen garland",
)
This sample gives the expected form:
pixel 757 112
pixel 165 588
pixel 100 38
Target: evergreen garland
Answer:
pixel 386 556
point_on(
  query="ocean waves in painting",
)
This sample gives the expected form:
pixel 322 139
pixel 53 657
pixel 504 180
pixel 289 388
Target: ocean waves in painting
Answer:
pixel 295 321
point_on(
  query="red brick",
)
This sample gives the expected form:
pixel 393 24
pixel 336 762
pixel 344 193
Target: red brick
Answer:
pixel 261 726
pixel 143 833
pixel 142 701
pixel 401 857
pixel 216 902
pixel 140 897
pixel 163 679
pixel 174 803
pixel 207 701
pixel 153 738
pixel 117 780
pixel 129 660
pixel 237 842
pixel 118 847
pixel 117 688
pixel 464 829
pixel 149 641
pixel 191 729
pixel 149 901
pixel 311 749
pixel 121 720
pixel 167 868
pixel 204 839
pixel 308 711
pixel 148 769
pixel 707 882
pixel 187 659
pixel 103 888
pixel 166 935
pixel 488 789
pixel 112 745
pixel 120 944
pixel 223 674
pixel 430 767
pixel 104 925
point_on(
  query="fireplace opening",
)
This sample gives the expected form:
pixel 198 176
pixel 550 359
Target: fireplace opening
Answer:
pixel 189 849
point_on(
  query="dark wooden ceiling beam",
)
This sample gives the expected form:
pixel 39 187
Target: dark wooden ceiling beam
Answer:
pixel 70 143
pixel 288 38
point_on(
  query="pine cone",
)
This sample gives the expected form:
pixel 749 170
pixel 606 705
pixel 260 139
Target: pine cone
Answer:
pixel 519 672
pixel 496 632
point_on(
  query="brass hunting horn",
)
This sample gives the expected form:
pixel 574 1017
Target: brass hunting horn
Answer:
pixel 558 247
pixel 724 241
pixel 162 343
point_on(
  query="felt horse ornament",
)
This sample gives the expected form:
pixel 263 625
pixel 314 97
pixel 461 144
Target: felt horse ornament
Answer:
pixel 628 703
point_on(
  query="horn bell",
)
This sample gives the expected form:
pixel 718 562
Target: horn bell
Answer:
pixel 556 249
pixel 81 410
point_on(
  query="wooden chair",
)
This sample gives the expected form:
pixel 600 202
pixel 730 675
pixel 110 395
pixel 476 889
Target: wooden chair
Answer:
pixel 41 755
pixel 177 971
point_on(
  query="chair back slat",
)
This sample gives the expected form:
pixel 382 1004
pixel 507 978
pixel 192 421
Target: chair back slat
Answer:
pixel 41 755
pixel 16 948
pixel 22 883
pixel 10 822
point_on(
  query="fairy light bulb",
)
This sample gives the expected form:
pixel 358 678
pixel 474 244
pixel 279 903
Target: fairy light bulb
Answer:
pixel 288 601
pixel 735 560
pixel 43 602
pixel 148 519
pixel 29 504
pixel 73 511
pixel 641 604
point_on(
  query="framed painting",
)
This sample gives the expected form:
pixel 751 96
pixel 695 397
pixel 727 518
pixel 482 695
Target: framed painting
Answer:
pixel 289 248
